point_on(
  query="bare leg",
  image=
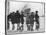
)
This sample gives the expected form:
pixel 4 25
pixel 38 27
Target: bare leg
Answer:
pixel 32 27
pixel 18 26
pixel 13 27
pixel 37 27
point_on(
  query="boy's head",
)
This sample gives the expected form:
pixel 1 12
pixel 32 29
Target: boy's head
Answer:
pixel 32 13
pixel 36 11
pixel 13 12
pixel 17 11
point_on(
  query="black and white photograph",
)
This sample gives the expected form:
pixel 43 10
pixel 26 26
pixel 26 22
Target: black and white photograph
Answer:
pixel 24 17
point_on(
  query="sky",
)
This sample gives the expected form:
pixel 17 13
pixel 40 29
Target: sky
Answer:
pixel 14 6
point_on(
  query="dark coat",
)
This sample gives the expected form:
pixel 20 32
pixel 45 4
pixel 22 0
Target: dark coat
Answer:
pixel 37 18
pixel 31 19
pixel 9 17
pixel 13 19
pixel 22 18
pixel 27 20
pixel 17 17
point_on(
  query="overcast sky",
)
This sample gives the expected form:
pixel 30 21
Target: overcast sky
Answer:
pixel 13 6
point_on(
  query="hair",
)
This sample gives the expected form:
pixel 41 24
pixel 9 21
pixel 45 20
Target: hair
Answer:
pixel 32 13
pixel 36 11
pixel 17 11
pixel 13 12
